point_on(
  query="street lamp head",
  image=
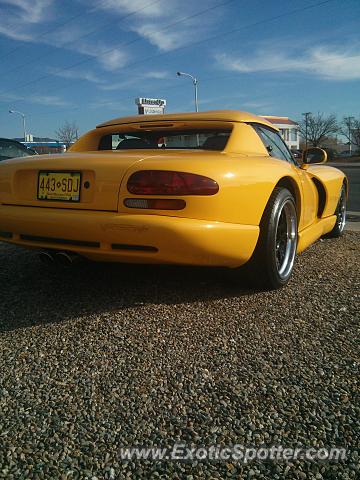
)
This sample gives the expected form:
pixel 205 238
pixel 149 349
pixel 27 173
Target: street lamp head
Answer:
pixel 16 111
pixel 178 74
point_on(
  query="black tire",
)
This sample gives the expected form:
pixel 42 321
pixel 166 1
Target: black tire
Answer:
pixel 340 213
pixel 272 262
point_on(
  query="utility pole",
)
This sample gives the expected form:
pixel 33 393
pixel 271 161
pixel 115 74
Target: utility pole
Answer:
pixel 306 115
pixel 348 122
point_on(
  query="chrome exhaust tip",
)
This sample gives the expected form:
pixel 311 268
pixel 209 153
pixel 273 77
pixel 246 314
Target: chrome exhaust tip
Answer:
pixel 46 257
pixel 66 259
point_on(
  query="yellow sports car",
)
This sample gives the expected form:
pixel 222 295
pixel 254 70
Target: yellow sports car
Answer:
pixel 214 188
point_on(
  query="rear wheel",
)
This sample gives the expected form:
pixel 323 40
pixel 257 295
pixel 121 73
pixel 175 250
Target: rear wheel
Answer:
pixel 274 256
pixel 340 213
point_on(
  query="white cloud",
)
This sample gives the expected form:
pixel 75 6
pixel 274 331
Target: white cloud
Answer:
pixel 121 106
pixel 110 58
pixel 109 87
pixel 18 21
pixel 144 8
pixel 176 30
pixel 113 60
pixel 324 62
pixel 77 75
pixel 135 80
pixel 167 24
pixel 20 15
pixel 14 34
pixel 47 100
pixel 148 18
pixel 52 100
pixel 158 75
pixel 28 11
pixel 162 23
pixel 164 40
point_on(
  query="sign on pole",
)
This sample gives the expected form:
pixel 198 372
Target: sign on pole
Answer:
pixel 150 106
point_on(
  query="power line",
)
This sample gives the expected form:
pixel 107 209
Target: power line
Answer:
pixel 88 34
pixel 214 37
pixel 53 29
pixel 81 62
pixel 230 32
pixel 172 87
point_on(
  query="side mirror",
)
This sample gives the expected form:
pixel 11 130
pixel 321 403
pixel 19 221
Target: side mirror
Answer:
pixel 314 155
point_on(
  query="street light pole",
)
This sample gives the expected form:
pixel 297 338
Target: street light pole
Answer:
pixel 195 83
pixel 306 115
pixel 23 121
pixel 348 121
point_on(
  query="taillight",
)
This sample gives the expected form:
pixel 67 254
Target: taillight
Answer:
pixel 163 182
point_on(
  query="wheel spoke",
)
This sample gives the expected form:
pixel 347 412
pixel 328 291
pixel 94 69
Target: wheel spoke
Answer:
pixel 286 238
pixel 341 212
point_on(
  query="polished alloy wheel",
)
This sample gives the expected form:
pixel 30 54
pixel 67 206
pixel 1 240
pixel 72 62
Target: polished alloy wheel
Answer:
pixel 273 259
pixel 286 239
pixel 341 212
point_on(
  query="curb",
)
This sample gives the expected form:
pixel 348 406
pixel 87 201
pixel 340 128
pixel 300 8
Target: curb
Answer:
pixel 343 165
pixel 352 227
pixel 353 223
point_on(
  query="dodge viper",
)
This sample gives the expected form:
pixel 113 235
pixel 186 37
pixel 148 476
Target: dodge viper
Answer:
pixel 216 188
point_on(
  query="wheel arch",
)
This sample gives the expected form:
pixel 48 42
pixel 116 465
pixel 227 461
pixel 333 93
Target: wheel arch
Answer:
pixel 346 183
pixel 293 187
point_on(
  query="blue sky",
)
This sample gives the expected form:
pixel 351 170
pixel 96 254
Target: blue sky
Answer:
pixel 86 61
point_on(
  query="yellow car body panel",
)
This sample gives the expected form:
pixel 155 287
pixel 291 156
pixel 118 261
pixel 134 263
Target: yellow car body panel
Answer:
pixel 221 229
pixel 133 238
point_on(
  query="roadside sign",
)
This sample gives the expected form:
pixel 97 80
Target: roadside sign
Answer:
pixel 150 106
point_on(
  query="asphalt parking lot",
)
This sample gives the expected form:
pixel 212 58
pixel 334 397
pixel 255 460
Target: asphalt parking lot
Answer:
pixel 352 171
pixel 105 356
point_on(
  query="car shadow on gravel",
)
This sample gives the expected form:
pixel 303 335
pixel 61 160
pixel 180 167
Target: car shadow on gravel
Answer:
pixel 32 293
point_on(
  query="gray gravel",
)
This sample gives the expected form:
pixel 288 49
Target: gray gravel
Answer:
pixel 106 356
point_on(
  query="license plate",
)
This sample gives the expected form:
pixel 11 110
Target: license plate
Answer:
pixel 62 186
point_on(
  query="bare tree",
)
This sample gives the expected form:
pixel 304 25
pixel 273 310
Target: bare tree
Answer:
pixel 318 127
pixel 68 133
pixel 355 134
pixel 350 129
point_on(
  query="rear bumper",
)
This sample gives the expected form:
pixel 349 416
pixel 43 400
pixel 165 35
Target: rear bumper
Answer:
pixel 106 236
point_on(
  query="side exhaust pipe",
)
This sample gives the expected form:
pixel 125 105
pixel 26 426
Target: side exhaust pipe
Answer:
pixel 66 259
pixel 47 258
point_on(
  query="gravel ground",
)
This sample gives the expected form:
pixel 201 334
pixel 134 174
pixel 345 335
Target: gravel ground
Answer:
pixel 106 356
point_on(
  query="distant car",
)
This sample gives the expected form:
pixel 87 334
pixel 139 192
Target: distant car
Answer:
pixel 297 153
pixel 13 149
pixel 346 153
pixel 221 190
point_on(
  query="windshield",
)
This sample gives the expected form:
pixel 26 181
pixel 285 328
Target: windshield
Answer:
pixel 9 149
pixel 214 139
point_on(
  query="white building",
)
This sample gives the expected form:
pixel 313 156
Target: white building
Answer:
pixel 289 130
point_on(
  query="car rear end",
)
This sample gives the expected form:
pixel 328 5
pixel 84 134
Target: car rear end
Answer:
pixel 155 204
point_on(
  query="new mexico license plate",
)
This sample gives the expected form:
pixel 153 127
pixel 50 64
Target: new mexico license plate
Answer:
pixel 63 186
